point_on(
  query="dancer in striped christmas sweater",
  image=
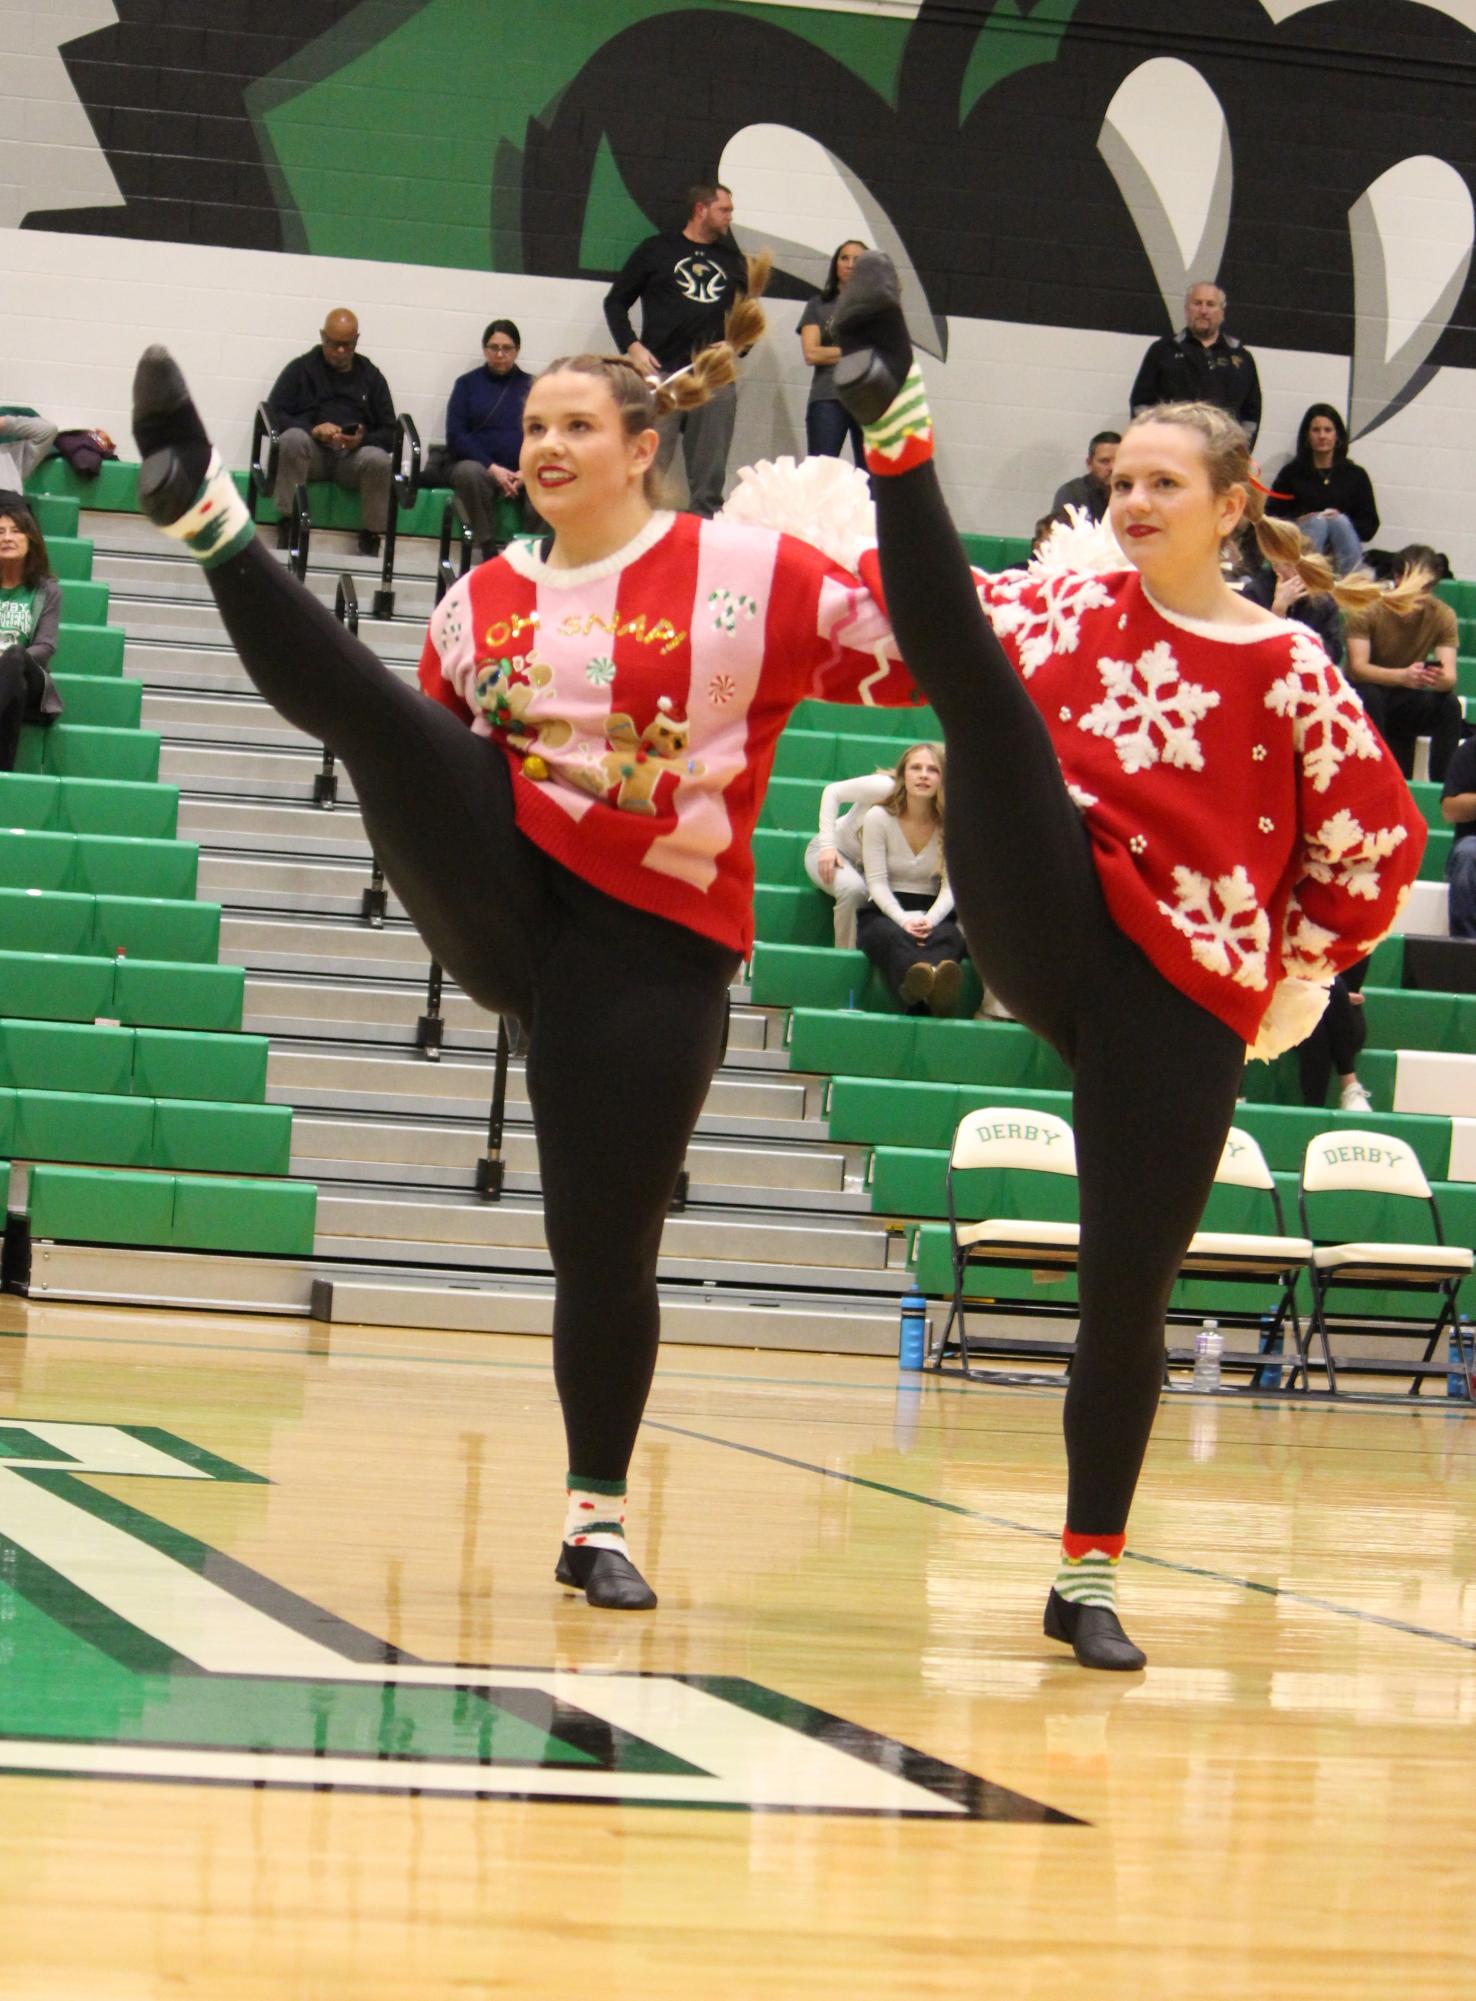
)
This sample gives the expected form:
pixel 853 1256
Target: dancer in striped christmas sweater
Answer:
pixel 568 820
pixel 1192 789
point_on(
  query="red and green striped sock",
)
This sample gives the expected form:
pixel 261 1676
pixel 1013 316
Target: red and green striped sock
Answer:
pixel 1088 1572
pixel 902 436
pixel 596 1513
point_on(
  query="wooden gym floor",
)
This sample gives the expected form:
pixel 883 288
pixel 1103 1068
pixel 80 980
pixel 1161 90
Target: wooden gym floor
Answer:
pixel 290 1706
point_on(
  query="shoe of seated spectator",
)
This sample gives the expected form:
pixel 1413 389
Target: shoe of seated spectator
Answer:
pixel 284 533
pixel 947 980
pixel 368 542
pixel 1354 1098
pixel 917 983
pixel 992 1008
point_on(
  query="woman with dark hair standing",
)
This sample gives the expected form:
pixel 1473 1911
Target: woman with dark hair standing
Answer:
pixel 828 423
pixel 569 818
pixel 1169 824
pixel 1330 498
pixel 30 607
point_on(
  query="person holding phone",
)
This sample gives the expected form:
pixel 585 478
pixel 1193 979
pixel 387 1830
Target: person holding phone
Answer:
pixel 335 420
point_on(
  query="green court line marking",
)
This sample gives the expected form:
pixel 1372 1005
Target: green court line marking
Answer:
pixel 1053 1536
pixel 203 1461
pixel 18 1443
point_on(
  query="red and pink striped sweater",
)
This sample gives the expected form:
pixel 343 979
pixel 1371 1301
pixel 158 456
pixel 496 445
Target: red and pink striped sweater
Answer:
pixel 639 699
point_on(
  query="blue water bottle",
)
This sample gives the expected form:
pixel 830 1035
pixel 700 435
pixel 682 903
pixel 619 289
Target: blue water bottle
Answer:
pixel 1455 1382
pixel 912 1344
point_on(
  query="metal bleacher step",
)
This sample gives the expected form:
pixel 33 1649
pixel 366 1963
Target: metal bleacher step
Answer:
pixel 136 573
pixel 203 667
pixel 182 620
pixel 434 1228
pixel 384 1012
pixel 390 1152
pixel 311 887
pixel 228 718
pixel 329 1078
pixel 350 1292
pixel 266 826
pixel 285 773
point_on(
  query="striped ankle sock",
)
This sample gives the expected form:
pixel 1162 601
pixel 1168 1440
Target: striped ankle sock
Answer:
pixel 596 1514
pixel 1088 1572
pixel 218 525
pixel 902 437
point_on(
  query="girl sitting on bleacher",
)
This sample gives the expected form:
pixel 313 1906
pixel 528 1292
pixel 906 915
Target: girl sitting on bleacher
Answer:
pixel 569 820
pixel 907 928
pixel 1169 824
pixel 30 608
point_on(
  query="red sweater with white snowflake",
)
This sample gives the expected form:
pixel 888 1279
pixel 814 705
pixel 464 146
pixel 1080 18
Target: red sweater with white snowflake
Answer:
pixel 1248 825
pixel 639 699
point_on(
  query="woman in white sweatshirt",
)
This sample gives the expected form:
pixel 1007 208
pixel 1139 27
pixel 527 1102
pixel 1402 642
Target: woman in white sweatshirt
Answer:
pixel 833 857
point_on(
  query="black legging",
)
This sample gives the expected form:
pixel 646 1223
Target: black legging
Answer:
pixel 22 685
pixel 1156 1075
pixel 1335 1042
pixel 628 1013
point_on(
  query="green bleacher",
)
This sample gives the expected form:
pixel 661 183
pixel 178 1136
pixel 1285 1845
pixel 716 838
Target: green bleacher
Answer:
pixel 126 1085
pixel 900 1084
pixel 83 808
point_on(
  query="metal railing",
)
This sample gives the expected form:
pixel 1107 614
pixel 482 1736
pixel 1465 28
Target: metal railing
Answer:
pixel 404 488
pixel 262 474
pixel 455 532
pixel 299 534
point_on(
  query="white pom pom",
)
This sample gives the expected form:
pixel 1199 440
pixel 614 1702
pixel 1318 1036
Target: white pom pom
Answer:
pixel 663 702
pixel 823 501
pixel 1086 548
pixel 1295 1010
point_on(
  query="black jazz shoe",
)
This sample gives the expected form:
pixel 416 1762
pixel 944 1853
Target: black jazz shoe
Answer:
pixel 1093 1633
pixel 869 328
pixel 607 1577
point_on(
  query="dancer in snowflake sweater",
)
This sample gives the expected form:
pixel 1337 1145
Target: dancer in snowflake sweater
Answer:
pixel 1193 791
pixel 568 821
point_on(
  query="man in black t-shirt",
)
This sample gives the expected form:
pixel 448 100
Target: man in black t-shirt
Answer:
pixel 1201 364
pixel 1458 809
pixel 687 281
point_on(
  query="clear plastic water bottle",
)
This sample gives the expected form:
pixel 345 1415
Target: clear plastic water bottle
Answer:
pixel 1209 1347
pixel 912 1340
pixel 1455 1382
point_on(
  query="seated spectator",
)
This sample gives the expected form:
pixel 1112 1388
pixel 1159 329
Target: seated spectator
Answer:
pixel 833 857
pixel 335 420
pixel 1278 587
pixel 907 928
pixel 1334 1045
pixel 1458 810
pixel 1330 498
pixel 827 424
pixel 30 606
pixel 24 442
pixel 484 438
pixel 1403 664
pixel 1093 488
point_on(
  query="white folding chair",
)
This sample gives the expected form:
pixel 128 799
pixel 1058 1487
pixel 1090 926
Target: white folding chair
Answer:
pixel 1246 1257
pixel 1352 1162
pixel 1017 1141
